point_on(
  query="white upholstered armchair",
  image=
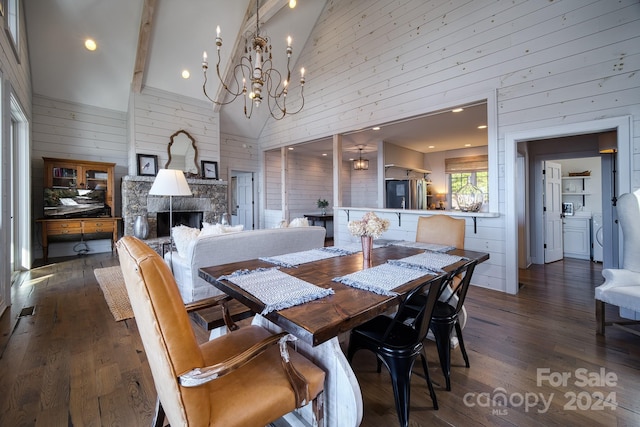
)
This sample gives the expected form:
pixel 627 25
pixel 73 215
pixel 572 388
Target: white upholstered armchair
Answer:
pixel 622 286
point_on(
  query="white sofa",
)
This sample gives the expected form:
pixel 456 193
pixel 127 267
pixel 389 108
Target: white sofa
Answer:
pixel 234 247
pixel 622 286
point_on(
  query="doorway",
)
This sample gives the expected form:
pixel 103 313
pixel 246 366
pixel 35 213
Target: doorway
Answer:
pixel 576 153
pixel 15 206
pixel 517 141
pixel 242 199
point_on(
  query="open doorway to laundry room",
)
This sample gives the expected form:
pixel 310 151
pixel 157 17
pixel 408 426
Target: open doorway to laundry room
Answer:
pixel 586 188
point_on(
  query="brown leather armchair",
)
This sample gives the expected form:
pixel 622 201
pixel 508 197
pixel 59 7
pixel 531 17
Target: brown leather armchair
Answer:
pixel 243 378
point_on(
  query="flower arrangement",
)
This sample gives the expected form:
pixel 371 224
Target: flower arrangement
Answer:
pixel 369 226
pixel 323 203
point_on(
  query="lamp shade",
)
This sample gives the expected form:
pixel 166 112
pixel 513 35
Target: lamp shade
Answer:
pixel 170 182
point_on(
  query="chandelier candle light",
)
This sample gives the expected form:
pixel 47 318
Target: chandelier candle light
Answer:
pixel 369 227
pixel 265 80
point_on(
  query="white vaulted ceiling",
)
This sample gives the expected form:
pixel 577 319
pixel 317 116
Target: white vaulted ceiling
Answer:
pixel 178 32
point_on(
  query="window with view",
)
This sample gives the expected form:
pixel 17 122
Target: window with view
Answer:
pixel 463 170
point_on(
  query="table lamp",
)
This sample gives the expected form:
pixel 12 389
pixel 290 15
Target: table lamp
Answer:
pixel 170 182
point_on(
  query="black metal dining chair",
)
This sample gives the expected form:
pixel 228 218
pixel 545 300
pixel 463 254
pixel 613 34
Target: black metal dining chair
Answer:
pixel 398 345
pixel 445 315
pixel 445 318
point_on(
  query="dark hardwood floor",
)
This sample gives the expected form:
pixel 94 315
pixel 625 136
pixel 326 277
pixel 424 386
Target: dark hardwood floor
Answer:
pixel 66 362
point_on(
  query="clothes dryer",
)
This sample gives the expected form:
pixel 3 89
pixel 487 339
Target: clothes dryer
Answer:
pixel 597 240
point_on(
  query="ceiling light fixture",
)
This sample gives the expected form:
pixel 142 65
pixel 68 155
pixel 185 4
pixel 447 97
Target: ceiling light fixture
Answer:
pixel 482 127
pixel 186 74
pixel 258 70
pixel 90 44
pixel 457 110
pixel 360 164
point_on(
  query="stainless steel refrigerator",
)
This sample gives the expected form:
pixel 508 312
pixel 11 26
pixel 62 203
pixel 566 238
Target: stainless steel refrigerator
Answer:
pixel 406 193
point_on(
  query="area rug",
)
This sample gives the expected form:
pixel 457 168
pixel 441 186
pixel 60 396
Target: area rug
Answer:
pixel 115 293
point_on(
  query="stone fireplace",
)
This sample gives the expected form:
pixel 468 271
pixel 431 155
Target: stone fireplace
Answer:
pixel 209 198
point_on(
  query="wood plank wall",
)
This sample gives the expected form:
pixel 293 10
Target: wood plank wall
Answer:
pixel 548 63
pixel 76 131
pixel 155 115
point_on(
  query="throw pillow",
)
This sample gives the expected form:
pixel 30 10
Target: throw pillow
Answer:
pixel 299 222
pixel 211 229
pixel 182 236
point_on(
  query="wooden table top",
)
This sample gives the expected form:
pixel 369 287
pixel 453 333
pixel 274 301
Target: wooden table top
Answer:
pixel 320 320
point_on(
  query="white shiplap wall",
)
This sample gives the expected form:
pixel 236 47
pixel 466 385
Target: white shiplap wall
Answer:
pixel 308 179
pixel 67 130
pixel 550 63
pixel 154 115
pixel 74 131
pixel 238 154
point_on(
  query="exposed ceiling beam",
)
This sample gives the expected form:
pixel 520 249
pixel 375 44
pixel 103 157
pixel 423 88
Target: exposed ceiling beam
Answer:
pixel 144 38
pixel 268 9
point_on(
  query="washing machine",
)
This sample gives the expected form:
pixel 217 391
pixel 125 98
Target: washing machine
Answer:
pixel 596 239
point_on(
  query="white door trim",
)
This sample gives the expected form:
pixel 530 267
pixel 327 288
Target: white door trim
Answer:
pixel 623 127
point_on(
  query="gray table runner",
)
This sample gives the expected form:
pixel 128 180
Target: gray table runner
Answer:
pixel 277 290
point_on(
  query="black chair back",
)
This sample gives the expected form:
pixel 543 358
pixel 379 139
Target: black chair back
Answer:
pixel 445 317
pixel 461 287
pixel 428 292
pixel 398 344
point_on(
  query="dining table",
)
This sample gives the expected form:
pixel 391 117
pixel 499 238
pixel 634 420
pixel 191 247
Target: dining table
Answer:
pixel 321 324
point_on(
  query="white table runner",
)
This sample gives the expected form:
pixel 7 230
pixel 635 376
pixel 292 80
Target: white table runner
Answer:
pixel 296 258
pixel 434 247
pixel 277 290
pixel 381 279
pixel 432 261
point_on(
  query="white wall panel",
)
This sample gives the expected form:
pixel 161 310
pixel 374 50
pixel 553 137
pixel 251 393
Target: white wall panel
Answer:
pixel 155 115
pixel 370 62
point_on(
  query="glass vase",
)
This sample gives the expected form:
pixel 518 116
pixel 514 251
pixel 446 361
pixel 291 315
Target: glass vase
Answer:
pixel 469 198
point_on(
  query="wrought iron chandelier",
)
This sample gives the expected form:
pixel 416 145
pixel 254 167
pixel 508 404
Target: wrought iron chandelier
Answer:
pixel 256 66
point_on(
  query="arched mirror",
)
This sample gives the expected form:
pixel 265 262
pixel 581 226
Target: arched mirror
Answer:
pixel 183 154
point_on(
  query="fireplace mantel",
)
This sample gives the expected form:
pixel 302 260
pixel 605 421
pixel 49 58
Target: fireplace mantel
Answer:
pixel 209 197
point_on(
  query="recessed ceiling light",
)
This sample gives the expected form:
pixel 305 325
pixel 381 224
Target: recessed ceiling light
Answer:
pixel 292 3
pixel 467 145
pixel 324 154
pixel 90 44
pixel 376 128
pixel 482 127
pixel 185 74
pixel 291 148
pixel 432 146
pixel 457 110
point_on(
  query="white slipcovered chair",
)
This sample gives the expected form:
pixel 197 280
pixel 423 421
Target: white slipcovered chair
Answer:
pixel 622 286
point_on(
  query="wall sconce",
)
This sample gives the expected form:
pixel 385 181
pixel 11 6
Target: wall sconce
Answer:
pixel 360 164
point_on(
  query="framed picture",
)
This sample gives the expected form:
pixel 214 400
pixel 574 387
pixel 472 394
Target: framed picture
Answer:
pixel 147 165
pixel 209 169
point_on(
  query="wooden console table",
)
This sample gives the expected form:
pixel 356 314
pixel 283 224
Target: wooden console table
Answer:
pixel 324 218
pixel 60 230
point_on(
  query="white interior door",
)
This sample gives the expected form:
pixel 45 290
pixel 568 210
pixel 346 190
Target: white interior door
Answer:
pixel 553 249
pixel 244 200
